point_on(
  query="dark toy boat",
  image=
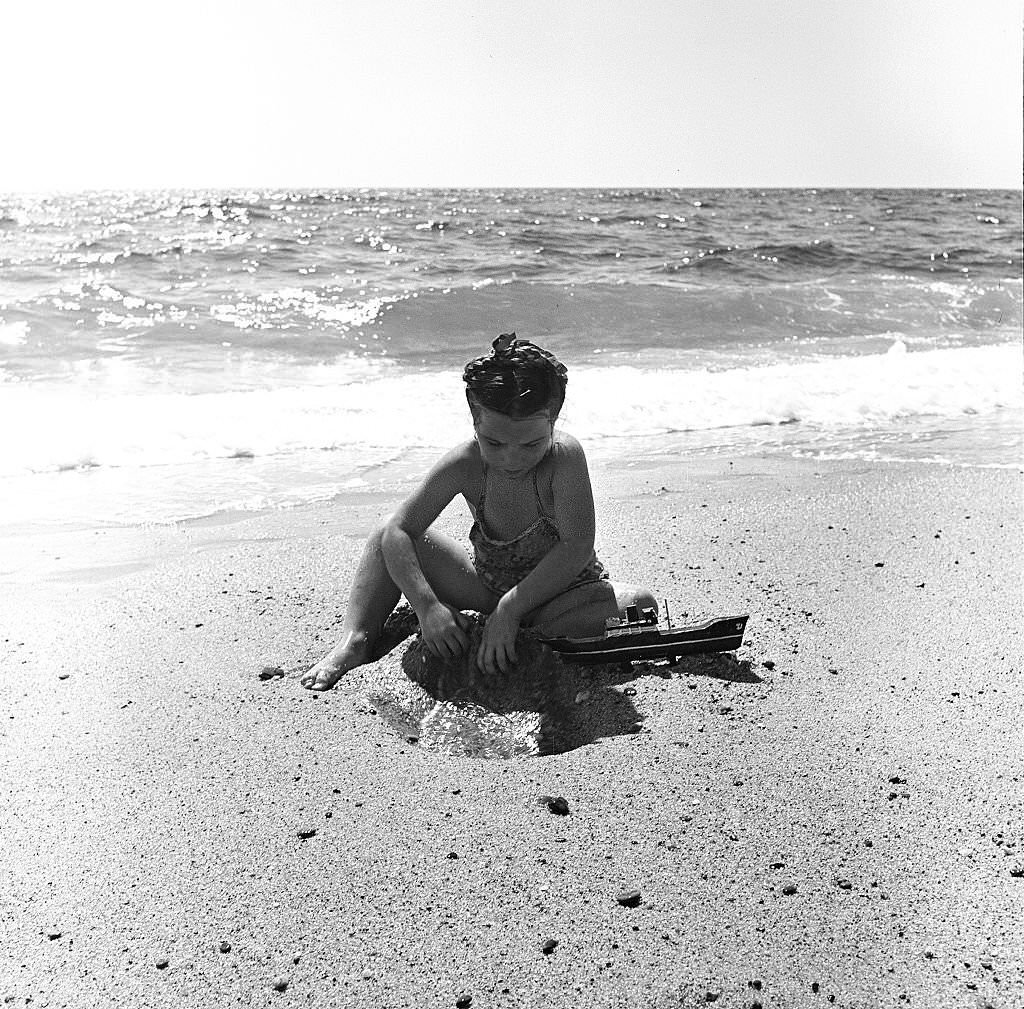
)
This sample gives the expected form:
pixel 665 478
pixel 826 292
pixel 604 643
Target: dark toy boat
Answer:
pixel 639 635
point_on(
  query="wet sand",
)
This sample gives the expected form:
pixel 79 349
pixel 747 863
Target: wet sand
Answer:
pixel 834 818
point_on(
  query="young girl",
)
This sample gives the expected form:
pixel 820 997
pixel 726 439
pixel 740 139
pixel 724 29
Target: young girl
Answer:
pixel 533 562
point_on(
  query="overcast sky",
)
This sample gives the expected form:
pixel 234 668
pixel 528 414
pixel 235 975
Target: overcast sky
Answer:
pixel 238 93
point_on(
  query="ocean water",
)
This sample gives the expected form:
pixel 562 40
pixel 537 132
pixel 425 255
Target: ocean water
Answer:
pixel 172 355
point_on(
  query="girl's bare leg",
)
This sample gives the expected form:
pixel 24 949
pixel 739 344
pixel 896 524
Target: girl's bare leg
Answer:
pixel 374 594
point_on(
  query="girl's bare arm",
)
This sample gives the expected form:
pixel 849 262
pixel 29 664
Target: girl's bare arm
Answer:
pixel 412 518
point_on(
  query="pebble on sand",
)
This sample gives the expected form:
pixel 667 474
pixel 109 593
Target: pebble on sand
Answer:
pixel 281 984
pixel 556 803
pixel 844 884
pixel 629 898
pixel 161 963
pixel 225 947
pixel 306 832
pixel 464 1002
pixel 549 947
pixel 270 672
pixel 53 933
pixel 789 889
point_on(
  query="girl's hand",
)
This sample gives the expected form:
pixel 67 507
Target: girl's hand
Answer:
pixel 497 649
pixel 444 631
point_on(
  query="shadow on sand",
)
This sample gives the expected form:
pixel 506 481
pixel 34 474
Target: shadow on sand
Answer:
pixel 545 706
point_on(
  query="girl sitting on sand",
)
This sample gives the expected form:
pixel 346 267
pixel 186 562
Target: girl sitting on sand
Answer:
pixel 533 562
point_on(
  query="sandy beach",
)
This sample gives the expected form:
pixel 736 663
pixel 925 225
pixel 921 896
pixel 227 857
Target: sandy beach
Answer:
pixel 833 819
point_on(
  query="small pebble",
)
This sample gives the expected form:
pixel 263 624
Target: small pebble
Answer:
pixel 162 963
pixel 452 854
pixel 270 672
pixel 814 987
pixel 225 947
pixel 556 804
pixel 583 695
pixel 629 898
pixel 844 884
pixel 630 691
pixel 53 933
pixel 768 664
pixel 549 947
pixel 281 984
pixel 306 832
pixel 63 676
pixel 789 889
pixel 464 1003
pixel 879 564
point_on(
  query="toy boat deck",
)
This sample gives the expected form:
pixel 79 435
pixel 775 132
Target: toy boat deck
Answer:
pixel 639 635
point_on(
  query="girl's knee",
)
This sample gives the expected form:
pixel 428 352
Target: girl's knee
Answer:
pixel 635 595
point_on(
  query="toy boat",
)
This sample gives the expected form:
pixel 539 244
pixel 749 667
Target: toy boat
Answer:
pixel 640 635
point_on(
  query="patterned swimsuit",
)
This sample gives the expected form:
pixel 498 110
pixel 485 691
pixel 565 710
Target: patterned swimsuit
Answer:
pixel 502 564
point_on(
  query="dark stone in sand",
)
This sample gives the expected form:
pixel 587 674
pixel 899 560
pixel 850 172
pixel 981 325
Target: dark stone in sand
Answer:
pixel 63 676
pixel 768 664
pixel 549 947
pixel 225 947
pixel 629 898
pixel 270 672
pixel 630 691
pixel 53 933
pixel 465 1002
pixel 161 963
pixel 844 884
pixel 556 804
pixel 452 854
pixel 281 984
pixel 452 707
pixel 789 889
pixel 306 832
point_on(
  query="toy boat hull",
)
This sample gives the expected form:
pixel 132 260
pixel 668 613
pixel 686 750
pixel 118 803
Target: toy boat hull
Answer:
pixel 721 634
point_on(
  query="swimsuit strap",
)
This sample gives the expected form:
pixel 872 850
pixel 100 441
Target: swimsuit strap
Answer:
pixel 541 510
pixel 483 493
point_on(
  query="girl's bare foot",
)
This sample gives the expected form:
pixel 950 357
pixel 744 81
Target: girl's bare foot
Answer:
pixel 351 652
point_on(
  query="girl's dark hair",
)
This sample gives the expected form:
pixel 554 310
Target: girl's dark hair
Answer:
pixel 517 378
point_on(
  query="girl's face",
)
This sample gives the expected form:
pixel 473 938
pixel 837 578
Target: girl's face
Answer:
pixel 513 446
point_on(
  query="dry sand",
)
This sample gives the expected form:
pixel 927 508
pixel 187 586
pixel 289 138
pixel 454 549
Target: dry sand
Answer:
pixel 866 749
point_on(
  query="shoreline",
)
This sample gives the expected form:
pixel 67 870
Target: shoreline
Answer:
pixel 155 793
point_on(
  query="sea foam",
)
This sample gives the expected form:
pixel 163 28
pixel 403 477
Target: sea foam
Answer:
pixel 370 414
